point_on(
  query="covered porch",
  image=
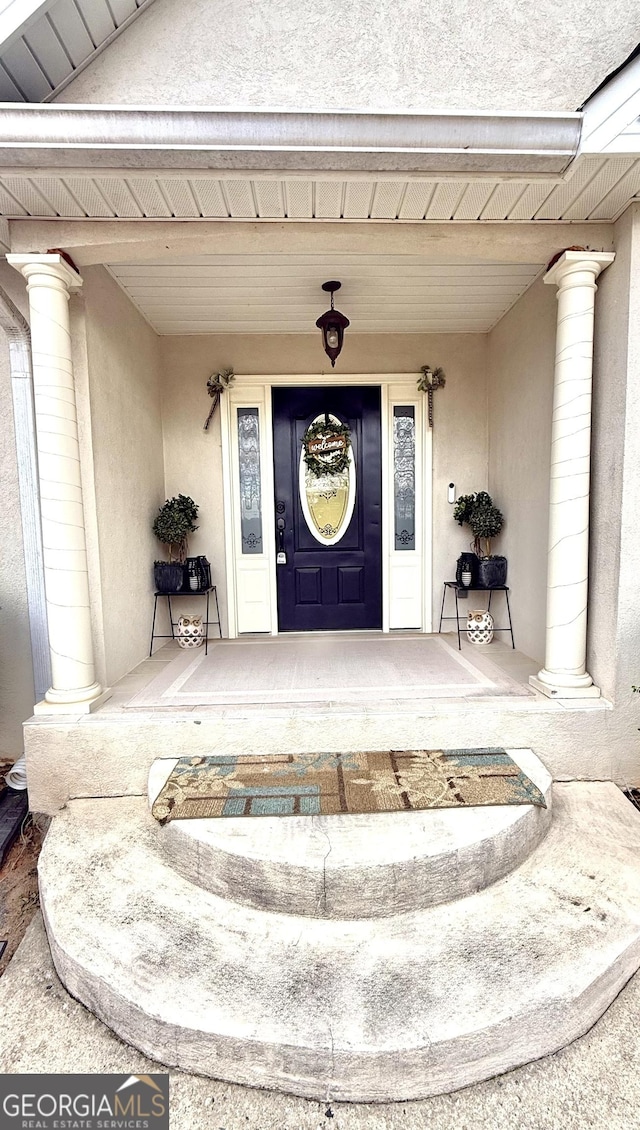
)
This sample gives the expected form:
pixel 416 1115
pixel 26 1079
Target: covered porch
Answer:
pixel 514 417
pixel 141 362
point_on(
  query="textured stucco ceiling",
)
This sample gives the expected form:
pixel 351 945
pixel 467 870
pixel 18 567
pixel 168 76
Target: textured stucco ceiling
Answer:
pixel 297 54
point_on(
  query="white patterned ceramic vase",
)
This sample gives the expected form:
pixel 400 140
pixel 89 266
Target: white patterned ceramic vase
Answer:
pixel 190 631
pixel 479 626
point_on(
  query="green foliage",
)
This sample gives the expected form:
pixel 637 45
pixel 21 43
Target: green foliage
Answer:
pixel 463 508
pixel 340 460
pixel 173 524
pixel 485 520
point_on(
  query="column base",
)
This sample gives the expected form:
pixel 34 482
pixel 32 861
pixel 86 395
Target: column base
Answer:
pixel 554 690
pixel 85 707
pixel 74 694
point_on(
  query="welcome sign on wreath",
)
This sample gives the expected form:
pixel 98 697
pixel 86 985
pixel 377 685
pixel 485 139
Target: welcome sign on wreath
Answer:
pixel 326 447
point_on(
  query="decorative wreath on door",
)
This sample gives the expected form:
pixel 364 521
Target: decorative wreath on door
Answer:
pixel 326 447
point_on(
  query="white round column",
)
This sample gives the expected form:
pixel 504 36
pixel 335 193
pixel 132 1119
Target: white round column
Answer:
pixel 564 674
pixel 74 688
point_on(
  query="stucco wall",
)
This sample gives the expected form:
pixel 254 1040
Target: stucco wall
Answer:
pixel 628 646
pixel 520 365
pixel 608 456
pixel 16 673
pixel 297 54
pixel 615 497
pixel 126 485
pixel 193 460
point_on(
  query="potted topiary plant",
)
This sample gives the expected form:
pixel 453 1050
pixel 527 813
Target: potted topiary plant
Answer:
pixel 486 522
pixel 172 526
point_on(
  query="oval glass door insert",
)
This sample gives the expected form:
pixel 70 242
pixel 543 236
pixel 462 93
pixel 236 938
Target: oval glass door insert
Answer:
pixel 327 500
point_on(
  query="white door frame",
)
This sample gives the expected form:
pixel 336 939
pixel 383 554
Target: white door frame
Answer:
pixel 251 578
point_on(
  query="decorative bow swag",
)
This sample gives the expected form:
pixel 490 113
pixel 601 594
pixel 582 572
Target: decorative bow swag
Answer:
pixel 216 385
pixel 428 382
pixel 431 380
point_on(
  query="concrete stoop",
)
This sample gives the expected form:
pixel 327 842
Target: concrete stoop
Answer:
pixel 385 1007
pixel 356 866
pixel 110 753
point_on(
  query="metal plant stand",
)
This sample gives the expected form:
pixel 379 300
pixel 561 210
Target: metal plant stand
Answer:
pixel 185 593
pixel 474 588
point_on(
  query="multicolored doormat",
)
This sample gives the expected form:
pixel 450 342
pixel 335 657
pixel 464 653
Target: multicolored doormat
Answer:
pixel 324 784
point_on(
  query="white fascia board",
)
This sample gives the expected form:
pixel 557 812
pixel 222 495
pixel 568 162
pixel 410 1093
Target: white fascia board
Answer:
pixel 609 112
pixel 457 142
pixel 17 16
pixel 626 144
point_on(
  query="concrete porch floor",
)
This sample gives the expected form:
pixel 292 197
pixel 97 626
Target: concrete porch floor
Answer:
pixel 513 664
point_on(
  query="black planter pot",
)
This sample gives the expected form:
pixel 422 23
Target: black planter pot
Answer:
pixel 492 572
pixel 467 563
pixel 168 578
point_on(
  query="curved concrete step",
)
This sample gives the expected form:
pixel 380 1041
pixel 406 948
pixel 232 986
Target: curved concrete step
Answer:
pixel 376 1010
pixel 360 866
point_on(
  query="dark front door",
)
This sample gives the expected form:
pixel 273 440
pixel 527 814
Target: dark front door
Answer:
pixel 329 576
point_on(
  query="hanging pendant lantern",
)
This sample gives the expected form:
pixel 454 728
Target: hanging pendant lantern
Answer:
pixel 333 324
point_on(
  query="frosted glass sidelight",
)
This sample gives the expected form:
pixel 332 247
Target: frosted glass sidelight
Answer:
pixel 250 483
pixel 404 477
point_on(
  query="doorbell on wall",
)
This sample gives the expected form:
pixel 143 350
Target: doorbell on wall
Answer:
pixel 451 494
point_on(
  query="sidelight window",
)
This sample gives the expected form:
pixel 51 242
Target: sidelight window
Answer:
pixel 404 476
pixel 250 480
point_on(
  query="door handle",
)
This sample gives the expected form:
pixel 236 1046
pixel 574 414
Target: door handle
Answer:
pixel 281 557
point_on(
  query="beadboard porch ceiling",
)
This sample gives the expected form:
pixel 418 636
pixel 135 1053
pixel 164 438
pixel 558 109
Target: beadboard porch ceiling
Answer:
pixel 282 293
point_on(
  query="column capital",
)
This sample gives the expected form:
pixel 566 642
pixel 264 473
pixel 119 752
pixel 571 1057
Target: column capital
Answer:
pixel 50 265
pixel 568 267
